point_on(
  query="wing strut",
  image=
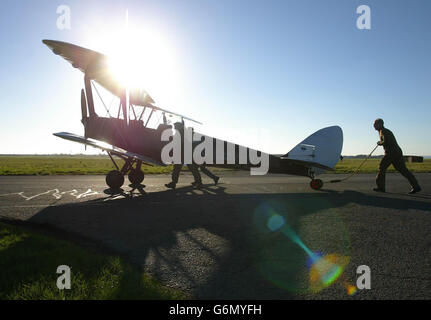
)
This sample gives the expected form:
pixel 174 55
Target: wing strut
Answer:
pixel 89 92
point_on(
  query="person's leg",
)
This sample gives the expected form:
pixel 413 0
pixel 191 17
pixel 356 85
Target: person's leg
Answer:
pixel 208 173
pixel 194 170
pixel 400 166
pixel 175 176
pixel 381 175
pixel 176 172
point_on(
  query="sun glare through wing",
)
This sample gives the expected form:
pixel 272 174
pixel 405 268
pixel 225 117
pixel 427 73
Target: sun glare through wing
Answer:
pixel 142 59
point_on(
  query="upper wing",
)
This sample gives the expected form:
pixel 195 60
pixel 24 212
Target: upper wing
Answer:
pixel 113 150
pixel 96 66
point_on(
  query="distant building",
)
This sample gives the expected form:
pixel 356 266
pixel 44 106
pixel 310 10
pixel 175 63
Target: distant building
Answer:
pixel 413 159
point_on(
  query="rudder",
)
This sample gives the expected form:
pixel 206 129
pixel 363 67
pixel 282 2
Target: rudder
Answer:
pixel 323 147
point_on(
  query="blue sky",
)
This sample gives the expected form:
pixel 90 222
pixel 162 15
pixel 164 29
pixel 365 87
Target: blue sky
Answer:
pixel 264 74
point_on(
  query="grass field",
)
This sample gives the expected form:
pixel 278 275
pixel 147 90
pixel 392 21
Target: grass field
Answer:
pixel 29 261
pixel 372 165
pixel 90 165
pixel 61 165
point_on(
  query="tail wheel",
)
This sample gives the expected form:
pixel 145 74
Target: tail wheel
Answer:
pixel 136 176
pixel 316 184
pixel 114 179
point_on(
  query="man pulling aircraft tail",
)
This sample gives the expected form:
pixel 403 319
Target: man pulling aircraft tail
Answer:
pixel 393 155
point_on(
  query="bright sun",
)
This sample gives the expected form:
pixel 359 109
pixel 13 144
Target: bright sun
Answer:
pixel 143 59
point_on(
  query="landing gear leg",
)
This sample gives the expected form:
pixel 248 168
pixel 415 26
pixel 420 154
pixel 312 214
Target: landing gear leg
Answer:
pixel 136 176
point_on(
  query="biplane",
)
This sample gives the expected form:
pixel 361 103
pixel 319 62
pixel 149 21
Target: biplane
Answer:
pixel 129 136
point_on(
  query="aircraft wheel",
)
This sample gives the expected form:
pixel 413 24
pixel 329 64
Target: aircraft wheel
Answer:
pixel 114 179
pixel 316 184
pixel 136 176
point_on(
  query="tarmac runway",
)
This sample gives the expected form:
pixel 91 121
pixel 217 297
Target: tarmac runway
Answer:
pixel 248 237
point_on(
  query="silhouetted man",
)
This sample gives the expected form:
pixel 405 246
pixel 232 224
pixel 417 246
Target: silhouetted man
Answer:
pixel 211 175
pixel 204 170
pixel 177 167
pixel 393 155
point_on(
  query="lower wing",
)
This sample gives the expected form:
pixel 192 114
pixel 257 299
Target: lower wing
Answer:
pixel 110 149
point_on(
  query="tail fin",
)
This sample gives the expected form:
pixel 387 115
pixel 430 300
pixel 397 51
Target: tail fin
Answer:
pixel 323 147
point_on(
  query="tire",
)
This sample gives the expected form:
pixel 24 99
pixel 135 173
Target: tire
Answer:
pixel 114 179
pixel 136 176
pixel 316 184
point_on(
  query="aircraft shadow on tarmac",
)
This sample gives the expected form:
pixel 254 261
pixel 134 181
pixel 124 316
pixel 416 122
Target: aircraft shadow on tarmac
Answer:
pixel 212 243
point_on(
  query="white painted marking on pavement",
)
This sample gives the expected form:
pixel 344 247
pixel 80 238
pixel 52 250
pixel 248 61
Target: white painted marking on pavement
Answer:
pixel 55 193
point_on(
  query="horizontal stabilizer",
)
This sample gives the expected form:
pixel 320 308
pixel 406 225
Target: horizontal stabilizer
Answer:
pixel 309 164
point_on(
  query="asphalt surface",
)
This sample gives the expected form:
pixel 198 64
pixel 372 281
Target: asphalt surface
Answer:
pixel 248 237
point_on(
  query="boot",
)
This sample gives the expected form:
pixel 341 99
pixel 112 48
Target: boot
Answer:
pixel 415 189
pixel 171 185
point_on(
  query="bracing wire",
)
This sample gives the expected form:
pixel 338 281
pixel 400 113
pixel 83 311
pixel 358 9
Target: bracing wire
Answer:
pixel 100 97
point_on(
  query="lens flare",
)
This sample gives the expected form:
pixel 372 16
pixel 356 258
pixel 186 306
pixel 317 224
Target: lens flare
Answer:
pixel 326 270
pixel 312 259
pixel 286 260
pixel 351 290
pixel 275 222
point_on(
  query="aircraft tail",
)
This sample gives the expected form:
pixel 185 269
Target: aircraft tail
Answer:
pixel 322 147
